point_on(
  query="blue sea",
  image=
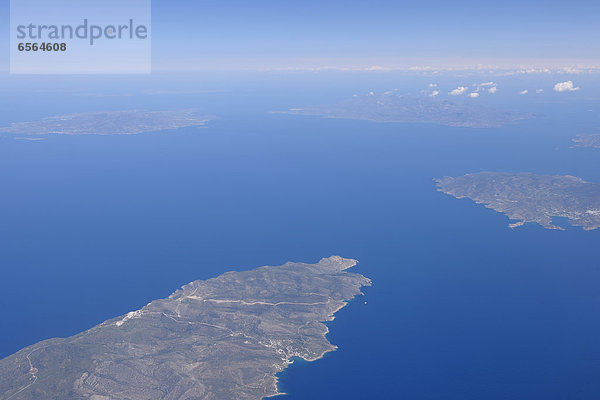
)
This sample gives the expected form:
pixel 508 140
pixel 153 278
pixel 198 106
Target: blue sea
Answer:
pixel 461 306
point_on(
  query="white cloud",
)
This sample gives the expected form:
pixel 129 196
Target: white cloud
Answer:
pixel 434 93
pixel 371 93
pixel 432 85
pixel 378 68
pixel 473 95
pixel 524 91
pixel 565 87
pixel 539 90
pixel 487 84
pixel 458 91
pixel 493 89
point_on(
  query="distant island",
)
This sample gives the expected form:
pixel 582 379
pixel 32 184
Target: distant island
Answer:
pixel 527 197
pixel 587 140
pixel 129 122
pixel 223 338
pixel 394 107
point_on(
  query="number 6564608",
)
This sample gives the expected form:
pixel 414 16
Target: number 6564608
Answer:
pixel 42 47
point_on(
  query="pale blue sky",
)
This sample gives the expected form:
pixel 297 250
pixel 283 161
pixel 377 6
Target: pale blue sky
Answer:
pixel 190 34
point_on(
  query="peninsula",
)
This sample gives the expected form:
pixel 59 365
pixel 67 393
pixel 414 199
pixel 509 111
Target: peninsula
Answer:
pixel 526 197
pixel 222 338
pixel 587 140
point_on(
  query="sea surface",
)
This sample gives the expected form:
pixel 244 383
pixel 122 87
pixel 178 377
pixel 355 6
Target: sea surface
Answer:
pixel 461 306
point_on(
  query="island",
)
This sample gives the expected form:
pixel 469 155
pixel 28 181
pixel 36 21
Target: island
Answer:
pixel 527 197
pixel 223 338
pixel 587 140
pixel 394 107
pixel 129 122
